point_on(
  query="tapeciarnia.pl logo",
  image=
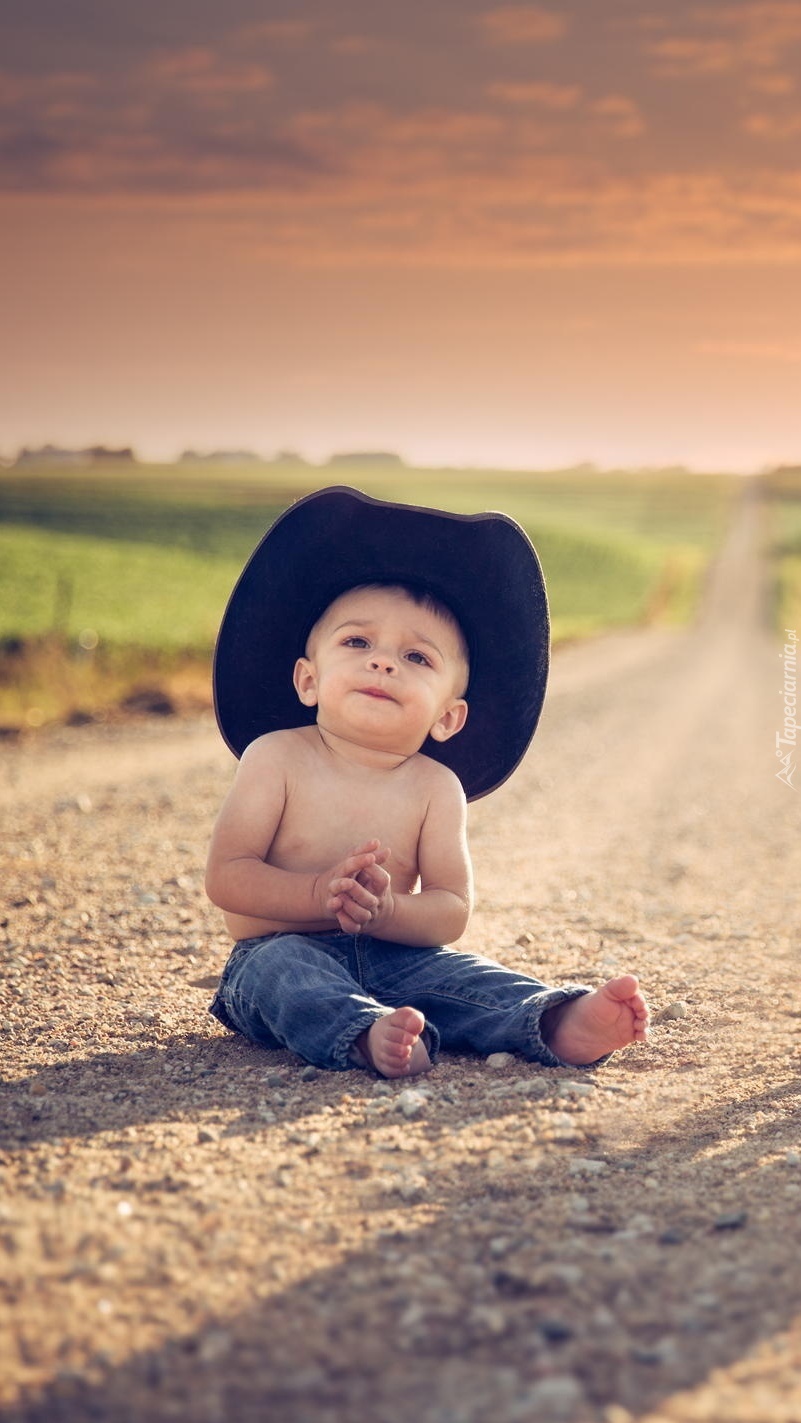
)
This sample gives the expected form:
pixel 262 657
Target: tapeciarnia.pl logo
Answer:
pixel 788 736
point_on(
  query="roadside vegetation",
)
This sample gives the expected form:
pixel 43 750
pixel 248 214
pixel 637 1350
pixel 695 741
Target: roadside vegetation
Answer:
pixel 783 490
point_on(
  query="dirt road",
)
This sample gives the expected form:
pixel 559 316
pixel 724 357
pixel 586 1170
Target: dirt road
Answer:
pixel 193 1229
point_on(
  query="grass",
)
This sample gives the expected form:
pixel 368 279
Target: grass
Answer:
pixel 111 579
pixel 783 488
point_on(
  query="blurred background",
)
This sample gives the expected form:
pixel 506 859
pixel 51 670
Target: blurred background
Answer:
pixel 522 256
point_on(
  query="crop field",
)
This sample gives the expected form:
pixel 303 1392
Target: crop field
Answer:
pixel 112 578
pixel 783 489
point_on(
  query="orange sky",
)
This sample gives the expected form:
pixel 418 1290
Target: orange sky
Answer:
pixel 467 232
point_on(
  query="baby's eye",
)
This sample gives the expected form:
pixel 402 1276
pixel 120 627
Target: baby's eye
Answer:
pixel 355 641
pixel 419 658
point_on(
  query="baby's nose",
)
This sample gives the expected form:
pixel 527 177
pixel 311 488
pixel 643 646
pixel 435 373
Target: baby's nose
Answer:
pixel 383 662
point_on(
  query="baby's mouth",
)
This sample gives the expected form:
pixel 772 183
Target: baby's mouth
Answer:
pixel 377 692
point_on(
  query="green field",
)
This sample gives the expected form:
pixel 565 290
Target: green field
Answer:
pixel 137 565
pixel 783 493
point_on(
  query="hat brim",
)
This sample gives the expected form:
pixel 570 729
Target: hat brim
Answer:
pixel 483 566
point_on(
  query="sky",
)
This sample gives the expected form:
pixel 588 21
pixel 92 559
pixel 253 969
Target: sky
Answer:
pixel 470 233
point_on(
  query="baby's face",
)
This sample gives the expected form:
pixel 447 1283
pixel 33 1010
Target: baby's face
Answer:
pixel 384 671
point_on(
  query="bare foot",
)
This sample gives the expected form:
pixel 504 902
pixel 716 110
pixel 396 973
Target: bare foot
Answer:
pixel 393 1046
pixel 586 1028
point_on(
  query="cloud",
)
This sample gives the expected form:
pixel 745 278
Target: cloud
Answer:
pixel 523 24
pixel 556 97
pixel 197 70
pixel 621 114
pixel 729 40
pixel 773 127
pixel 356 45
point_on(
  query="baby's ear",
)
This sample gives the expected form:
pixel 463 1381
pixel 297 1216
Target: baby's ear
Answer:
pixel 305 681
pixel 451 721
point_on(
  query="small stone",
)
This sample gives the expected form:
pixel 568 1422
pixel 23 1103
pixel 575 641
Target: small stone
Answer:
pixel 556 1331
pixel 793 1158
pixel 308 1074
pixel 497 1061
pixel 206 1134
pixel 731 1220
pixel 411 1101
pixel 488 1319
pixel 653 1354
pixel 586 1166
pixel 214 1346
pixel 525 940
pixel 679 1009
pixel 529 1087
pixel 576 1089
pixel 672 1236
pixel 556 1398
pixel 412 1187
pixel 499 1246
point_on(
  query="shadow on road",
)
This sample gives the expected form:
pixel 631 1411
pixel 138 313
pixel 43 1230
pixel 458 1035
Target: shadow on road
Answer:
pixel 508 1281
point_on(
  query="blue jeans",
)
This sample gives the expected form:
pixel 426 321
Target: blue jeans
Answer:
pixel 315 993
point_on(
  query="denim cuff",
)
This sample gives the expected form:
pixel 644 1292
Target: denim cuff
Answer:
pixel 551 999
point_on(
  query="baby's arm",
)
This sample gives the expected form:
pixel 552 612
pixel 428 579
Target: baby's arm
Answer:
pixel 439 912
pixel 238 880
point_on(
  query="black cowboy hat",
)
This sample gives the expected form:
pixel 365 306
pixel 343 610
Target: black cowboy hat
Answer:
pixel 482 566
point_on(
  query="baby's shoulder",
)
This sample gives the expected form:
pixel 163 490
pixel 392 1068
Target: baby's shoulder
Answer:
pixel 439 782
pixel 276 748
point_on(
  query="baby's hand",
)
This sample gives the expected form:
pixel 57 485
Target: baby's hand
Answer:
pixel 377 880
pixel 352 902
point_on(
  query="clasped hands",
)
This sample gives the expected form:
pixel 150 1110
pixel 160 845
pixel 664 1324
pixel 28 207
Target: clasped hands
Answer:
pixel 359 891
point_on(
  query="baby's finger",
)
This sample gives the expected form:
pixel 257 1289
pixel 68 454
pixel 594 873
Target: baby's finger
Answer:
pixel 374 878
pixel 356 863
pixel 358 916
pixel 352 889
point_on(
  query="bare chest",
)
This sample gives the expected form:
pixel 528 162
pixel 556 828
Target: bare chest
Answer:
pixel 322 822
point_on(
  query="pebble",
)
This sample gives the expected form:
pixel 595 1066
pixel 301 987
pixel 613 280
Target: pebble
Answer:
pixel 587 1166
pixel 411 1101
pixel 672 1236
pixel 488 1319
pixel 529 1087
pixel 497 1061
pixel 793 1158
pixel 731 1220
pixel 556 1331
pixel 576 1089
pixel 412 1187
pixel 679 1009
pixel 308 1073
pixel 556 1399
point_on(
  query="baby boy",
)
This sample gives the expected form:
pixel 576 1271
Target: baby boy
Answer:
pixel 340 856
